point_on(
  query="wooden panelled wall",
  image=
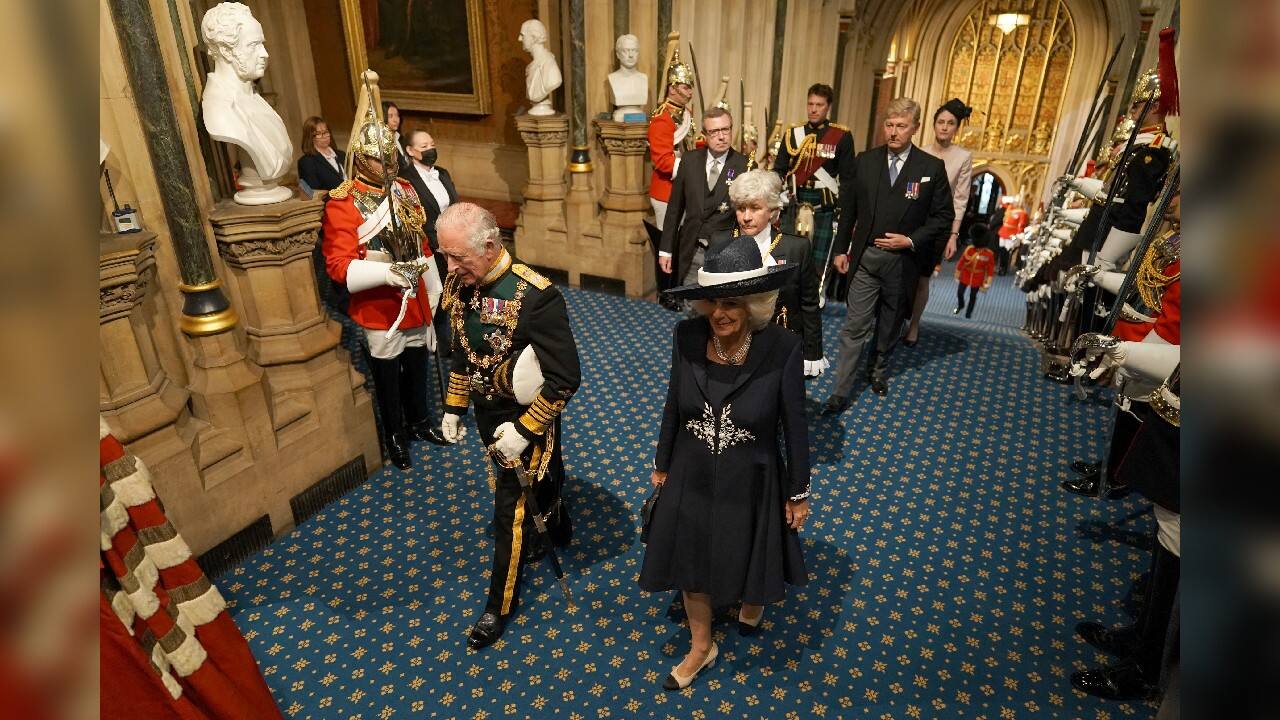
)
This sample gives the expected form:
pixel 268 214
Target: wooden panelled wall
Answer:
pixel 732 37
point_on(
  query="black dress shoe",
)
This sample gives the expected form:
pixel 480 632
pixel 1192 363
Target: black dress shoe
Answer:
pixel 398 450
pixel 880 386
pixel 1121 642
pixel 485 632
pixel 910 343
pixel 1122 681
pixel 835 405
pixel 1087 485
pixel 428 431
pixel 1085 468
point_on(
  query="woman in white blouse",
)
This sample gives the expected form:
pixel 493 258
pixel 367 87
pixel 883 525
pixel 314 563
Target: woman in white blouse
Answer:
pixel 959 162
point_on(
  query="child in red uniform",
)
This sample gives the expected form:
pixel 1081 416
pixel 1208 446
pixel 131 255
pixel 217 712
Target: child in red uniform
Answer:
pixel 974 270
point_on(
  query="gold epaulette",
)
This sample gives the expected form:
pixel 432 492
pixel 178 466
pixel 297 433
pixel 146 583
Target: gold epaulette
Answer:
pixel 531 276
pixel 342 191
pixel 839 126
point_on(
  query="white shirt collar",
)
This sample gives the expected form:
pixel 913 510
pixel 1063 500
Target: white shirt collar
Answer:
pixel 902 156
pixel 713 159
pixel 427 172
pixel 763 240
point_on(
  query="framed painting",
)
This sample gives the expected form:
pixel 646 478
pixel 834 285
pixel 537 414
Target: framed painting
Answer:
pixel 429 54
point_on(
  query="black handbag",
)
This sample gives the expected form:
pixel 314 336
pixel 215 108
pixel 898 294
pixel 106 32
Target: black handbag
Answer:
pixel 646 513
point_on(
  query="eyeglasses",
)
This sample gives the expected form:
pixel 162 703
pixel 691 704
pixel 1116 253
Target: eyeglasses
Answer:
pixel 720 131
pixel 323 134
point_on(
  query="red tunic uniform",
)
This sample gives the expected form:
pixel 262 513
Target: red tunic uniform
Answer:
pixel 975 266
pixel 662 149
pixel 378 307
pixel 1015 221
pixel 1168 324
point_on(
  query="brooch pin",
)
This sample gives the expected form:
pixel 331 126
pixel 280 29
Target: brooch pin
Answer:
pixel 724 207
pixel 913 190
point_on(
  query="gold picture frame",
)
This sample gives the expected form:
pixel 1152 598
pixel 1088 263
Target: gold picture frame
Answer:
pixel 413 72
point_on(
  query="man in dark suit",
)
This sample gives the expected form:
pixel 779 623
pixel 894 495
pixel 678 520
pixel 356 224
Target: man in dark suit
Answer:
pixel 699 204
pixel 900 205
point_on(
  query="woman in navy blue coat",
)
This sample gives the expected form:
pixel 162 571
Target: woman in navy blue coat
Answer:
pixel 733 454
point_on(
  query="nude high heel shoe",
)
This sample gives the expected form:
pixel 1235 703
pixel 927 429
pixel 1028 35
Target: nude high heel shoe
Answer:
pixel 675 682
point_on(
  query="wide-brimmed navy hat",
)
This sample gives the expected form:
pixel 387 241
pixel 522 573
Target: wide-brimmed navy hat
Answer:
pixel 733 270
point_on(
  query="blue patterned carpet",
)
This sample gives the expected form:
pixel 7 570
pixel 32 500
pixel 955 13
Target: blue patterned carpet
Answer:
pixel 947 566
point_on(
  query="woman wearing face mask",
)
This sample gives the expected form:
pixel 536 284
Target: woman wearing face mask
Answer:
pixel 757 198
pixel 733 454
pixel 959 162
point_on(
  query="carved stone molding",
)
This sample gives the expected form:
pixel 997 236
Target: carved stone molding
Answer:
pixel 249 252
pixel 256 235
pixel 126 270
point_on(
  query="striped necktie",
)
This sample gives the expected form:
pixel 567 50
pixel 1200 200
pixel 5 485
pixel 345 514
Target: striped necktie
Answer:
pixel 893 168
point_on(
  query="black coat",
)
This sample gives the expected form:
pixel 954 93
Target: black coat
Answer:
pixel 719 524
pixel 429 203
pixel 872 207
pixel 798 299
pixel 317 173
pixel 692 211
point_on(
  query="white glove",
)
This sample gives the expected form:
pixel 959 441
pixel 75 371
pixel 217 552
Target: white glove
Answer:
pixel 1110 281
pixel 395 279
pixel 429 338
pixel 367 274
pixel 508 442
pixel 1073 216
pixel 1088 187
pixel 526 377
pixel 1150 360
pixel 785 197
pixel 451 427
pixel 814 368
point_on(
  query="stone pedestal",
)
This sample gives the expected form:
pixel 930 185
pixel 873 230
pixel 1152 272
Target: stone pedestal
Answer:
pixel 625 252
pixel 540 236
pixel 135 394
pixel 320 414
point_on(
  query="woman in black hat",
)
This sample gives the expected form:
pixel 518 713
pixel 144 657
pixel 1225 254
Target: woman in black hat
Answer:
pixel 733 495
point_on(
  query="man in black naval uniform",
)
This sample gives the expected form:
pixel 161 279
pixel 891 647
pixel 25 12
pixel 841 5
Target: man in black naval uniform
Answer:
pixel 515 360
pixel 815 162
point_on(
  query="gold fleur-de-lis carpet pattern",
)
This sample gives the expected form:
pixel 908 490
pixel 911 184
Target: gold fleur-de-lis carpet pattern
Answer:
pixel 947 567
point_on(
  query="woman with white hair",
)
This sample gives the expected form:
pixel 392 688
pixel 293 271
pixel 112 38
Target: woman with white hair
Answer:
pixel 731 472
pixel 757 200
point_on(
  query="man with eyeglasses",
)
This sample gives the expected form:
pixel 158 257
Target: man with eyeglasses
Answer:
pixel 699 205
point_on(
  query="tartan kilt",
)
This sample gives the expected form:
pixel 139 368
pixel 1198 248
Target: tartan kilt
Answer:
pixel 823 216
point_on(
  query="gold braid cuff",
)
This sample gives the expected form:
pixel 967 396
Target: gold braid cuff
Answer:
pixel 459 393
pixel 541 415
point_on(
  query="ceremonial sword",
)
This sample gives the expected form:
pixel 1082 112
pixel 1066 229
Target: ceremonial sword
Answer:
pixel 531 503
pixel 414 274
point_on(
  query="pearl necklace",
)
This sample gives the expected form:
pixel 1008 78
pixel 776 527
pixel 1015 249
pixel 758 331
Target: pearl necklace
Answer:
pixel 737 357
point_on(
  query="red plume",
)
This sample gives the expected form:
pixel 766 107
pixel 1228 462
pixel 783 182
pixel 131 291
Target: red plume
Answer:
pixel 1168 75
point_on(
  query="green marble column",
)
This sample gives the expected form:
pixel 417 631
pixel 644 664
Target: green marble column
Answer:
pixel 578 71
pixel 779 43
pixel 664 29
pixel 621 18
pixel 205 308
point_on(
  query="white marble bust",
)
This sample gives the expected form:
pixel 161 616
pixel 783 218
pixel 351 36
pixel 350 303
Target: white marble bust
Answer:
pixel 541 75
pixel 234 113
pixel 628 86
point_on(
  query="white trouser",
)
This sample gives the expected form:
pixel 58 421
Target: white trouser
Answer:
pixel 659 211
pixel 385 348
